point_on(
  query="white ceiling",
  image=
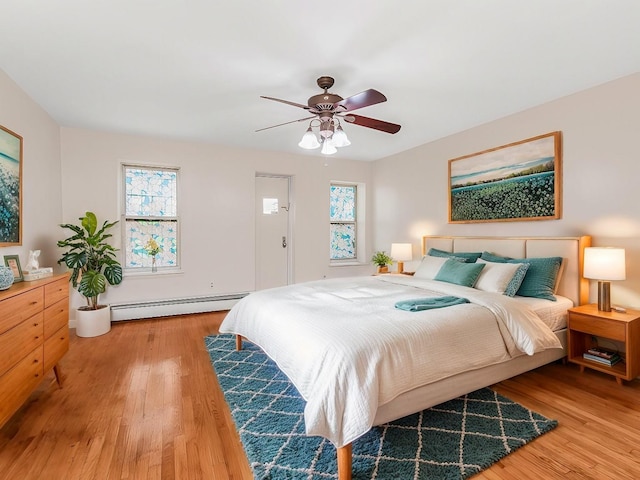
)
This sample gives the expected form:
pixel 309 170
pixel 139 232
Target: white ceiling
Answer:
pixel 195 69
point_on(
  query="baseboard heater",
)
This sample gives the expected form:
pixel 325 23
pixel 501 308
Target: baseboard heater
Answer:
pixel 176 306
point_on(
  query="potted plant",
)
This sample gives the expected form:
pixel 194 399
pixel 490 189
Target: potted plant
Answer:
pixel 382 260
pixel 93 264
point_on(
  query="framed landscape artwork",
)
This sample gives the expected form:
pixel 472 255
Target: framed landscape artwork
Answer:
pixel 515 182
pixel 10 188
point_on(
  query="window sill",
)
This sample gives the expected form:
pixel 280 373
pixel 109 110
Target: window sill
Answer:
pixel 149 273
pixel 347 264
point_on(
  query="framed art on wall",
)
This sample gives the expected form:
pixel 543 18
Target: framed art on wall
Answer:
pixel 13 262
pixel 515 182
pixel 10 188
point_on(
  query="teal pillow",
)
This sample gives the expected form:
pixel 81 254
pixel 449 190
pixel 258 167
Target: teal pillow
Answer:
pixel 540 278
pixel 465 274
pixel 491 257
pixel 469 257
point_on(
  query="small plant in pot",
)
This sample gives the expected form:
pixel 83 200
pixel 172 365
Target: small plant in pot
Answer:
pixel 382 260
pixel 93 264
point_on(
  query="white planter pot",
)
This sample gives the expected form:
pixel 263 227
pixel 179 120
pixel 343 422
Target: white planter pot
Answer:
pixel 92 323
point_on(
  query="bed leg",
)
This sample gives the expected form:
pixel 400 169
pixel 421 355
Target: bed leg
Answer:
pixel 344 462
pixel 238 342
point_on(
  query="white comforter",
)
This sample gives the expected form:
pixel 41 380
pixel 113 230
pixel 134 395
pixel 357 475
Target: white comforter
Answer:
pixel 348 350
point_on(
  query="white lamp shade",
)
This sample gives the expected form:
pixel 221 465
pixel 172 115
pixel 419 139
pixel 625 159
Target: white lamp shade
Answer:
pixel 327 147
pixel 309 140
pixel 604 263
pixel 401 252
pixel 340 138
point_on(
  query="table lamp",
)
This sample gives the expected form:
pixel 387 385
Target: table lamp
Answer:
pixel 401 252
pixel 604 264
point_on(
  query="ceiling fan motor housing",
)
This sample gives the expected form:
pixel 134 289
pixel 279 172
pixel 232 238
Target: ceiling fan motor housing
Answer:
pixel 323 101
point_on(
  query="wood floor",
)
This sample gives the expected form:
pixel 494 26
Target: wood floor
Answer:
pixel 142 402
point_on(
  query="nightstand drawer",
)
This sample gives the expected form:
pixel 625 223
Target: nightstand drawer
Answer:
pixel 597 326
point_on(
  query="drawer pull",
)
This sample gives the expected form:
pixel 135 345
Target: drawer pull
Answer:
pixel 35 302
pixel 35 360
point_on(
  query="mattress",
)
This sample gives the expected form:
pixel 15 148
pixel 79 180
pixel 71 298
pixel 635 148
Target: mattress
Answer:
pixel 553 314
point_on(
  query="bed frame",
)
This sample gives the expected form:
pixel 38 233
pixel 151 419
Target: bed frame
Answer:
pixel 572 285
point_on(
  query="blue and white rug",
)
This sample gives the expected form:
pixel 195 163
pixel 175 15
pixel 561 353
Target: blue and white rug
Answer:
pixel 454 440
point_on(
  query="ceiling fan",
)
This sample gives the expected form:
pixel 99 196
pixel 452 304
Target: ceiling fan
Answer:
pixel 327 109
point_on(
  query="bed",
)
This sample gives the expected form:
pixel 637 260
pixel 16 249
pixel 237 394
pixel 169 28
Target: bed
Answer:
pixel 358 360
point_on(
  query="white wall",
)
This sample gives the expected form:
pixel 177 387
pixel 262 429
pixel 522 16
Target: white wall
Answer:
pixel 216 208
pixel 68 171
pixel 41 201
pixel 601 168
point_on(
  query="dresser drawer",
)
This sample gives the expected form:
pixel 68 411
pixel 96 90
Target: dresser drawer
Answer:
pixel 56 291
pixel 597 326
pixel 55 347
pixel 16 309
pixel 16 343
pixel 17 384
pixel 55 317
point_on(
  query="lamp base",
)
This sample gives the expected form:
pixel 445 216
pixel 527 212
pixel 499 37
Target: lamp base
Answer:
pixel 604 296
pixel 400 267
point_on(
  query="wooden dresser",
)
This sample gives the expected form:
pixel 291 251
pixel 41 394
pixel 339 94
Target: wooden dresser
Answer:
pixel 34 336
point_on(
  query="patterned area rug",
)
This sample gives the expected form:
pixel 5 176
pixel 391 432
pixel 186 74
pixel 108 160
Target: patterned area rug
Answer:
pixel 454 440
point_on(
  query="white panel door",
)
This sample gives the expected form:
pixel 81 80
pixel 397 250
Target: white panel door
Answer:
pixel 272 232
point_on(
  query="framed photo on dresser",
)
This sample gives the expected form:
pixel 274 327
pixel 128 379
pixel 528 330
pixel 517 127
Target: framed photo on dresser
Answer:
pixel 13 262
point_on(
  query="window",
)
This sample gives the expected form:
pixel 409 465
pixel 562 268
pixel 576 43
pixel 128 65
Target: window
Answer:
pixel 150 213
pixel 343 221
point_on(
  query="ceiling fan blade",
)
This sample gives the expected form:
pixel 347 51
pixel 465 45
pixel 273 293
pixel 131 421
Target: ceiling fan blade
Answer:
pixel 373 123
pixel 359 100
pixel 286 123
pixel 306 107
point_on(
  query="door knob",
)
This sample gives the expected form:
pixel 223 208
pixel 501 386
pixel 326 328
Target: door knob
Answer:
pixel 284 242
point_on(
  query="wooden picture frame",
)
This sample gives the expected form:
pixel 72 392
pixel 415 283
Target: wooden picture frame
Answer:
pixel 13 262
pixel 520 181
pixel 10 188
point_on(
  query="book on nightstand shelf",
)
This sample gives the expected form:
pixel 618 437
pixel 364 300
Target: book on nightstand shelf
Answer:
pixel 605 357
pixel 602 352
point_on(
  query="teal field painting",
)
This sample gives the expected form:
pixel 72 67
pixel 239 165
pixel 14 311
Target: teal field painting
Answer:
pixel 519 181
pixel 10 187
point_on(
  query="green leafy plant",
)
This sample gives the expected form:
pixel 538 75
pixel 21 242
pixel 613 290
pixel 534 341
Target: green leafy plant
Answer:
pixel 91 258
pixel 381 259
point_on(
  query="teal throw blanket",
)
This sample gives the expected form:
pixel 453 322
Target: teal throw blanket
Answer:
pixel 419 304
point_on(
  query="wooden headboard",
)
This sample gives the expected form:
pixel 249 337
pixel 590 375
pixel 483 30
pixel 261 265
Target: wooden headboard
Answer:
pixel 572 284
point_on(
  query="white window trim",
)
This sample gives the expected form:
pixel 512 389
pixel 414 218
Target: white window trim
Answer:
pixel 360 226
pixel 146 271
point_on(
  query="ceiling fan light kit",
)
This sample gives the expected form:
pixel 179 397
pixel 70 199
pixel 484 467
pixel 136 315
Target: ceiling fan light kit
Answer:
pixel 328 108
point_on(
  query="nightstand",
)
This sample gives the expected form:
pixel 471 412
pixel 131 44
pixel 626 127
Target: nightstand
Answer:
pixel 586 321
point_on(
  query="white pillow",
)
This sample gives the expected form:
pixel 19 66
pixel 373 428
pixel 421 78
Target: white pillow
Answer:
pixel 495 277
pixel 429 267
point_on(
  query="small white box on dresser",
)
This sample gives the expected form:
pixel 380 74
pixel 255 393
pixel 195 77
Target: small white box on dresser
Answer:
pixel 37 274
